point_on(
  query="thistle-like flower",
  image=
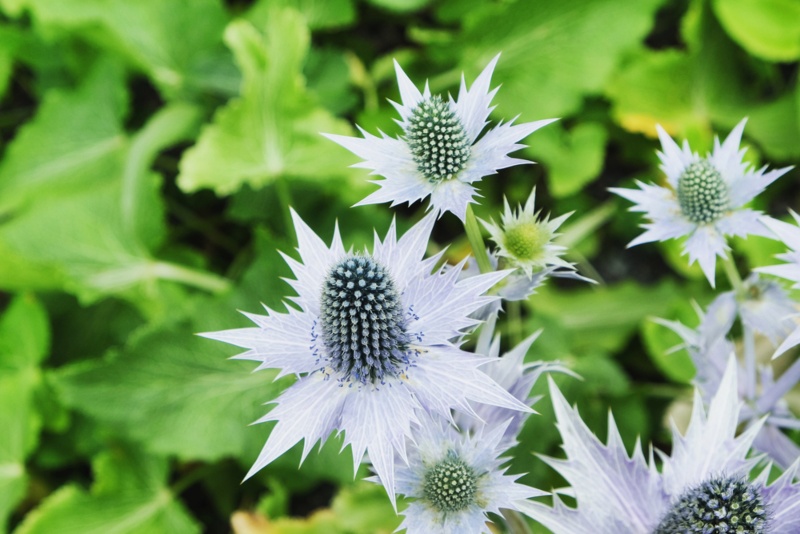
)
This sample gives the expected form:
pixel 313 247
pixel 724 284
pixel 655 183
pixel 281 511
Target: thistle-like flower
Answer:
pixel 526 242
pixel 439 153
pixel 762 307
pixel 455 480
pixel 514 375
pixel 704 199
pixel 374 344
pixel 703 485
pixel 789 234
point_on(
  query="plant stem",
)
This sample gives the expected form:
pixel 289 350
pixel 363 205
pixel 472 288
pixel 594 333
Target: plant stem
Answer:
pixel 733 275
pixel 189 479
pixel 749 342
pixel 781 387
pixel 514 308
pixel 179 273
pixel 516 524
pixel 476 241
pixel 285 200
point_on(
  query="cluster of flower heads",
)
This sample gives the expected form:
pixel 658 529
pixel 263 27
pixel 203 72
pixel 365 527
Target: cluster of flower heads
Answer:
pixel 376 337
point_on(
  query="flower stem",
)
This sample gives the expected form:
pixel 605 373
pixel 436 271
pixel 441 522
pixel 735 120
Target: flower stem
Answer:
pixel 516 524
pixel 476 241
pixel 782 386
pixel 733 275
pixel 749 342
pixel 285 199
pixel 191 277
pixel 514 321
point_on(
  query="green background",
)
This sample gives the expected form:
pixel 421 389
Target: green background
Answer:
pixel 151 148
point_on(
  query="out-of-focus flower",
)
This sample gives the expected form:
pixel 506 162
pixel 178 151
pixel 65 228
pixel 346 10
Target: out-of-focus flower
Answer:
pixel 703 485
pixel 439 154
pixel 762 307
pixel 789 234
pixel 455 480
pixel 704 199
pixel 374 345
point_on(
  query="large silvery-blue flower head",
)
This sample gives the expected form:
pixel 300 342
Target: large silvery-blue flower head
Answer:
pixel 454 480
pixel 703 486
pixel 704 199
pixel 439 153
pixel 373 344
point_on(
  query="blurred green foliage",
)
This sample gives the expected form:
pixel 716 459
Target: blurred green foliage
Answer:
pixel 151 149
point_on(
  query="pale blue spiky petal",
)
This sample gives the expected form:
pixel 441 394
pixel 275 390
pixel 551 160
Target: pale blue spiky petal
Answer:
pixel 391 158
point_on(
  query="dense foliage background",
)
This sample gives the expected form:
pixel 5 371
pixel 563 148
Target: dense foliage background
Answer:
pixel 151 148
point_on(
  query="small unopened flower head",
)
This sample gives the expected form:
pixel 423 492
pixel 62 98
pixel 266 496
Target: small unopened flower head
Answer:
pixel 454 480
pixel 443 149
pixel 525 240
pixel 704 198
pixel 720 504
pixel 450 485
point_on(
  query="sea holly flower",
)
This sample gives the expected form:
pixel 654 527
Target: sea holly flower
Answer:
pixel 374 343
pixel 762 307
pixel 439 153
pixel 703 486
pixel 454 480
pixel 789 234
pixel 704 199
pixel 525 241
pixel 514 375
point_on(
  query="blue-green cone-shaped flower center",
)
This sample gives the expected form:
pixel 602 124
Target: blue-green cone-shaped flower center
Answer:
pixel 438 140
pixel 702 193
pixel 363 324
pixel 450 485
pixel 720 505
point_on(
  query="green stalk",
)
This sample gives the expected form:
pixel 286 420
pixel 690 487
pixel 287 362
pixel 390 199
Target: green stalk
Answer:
pixel 285 200
pixel 190 277
pixel 476 241
pixel 733 275
pixel 516 524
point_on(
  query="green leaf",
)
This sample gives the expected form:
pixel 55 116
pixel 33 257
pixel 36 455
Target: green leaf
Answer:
pixel 176 42
pixel 769 29
pixel 129 496
pixel 659 341
pixel 573 158
pixel 189 400
pixel 24 342
pixel 274 128
pixel 319 15
pixel 655 87
pixel 553 53
pixel 74 142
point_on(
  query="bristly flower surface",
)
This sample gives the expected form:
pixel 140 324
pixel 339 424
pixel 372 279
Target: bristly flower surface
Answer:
pixel 704 199
pixel 525 240
pixel 374 344
pixel 617 493
pixel 439 153
pixel 455 480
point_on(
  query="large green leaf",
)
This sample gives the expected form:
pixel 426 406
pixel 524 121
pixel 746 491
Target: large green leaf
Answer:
pixel 24 342
pixel 178 43
pixel 318 14
pixel 274 128
pixel 129 496
pixel 553 53
pixel 176 394
pixel 75 141
pixel 769 29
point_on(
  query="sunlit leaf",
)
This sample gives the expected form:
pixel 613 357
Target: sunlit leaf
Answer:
pixel 769 29
pixel 273 129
